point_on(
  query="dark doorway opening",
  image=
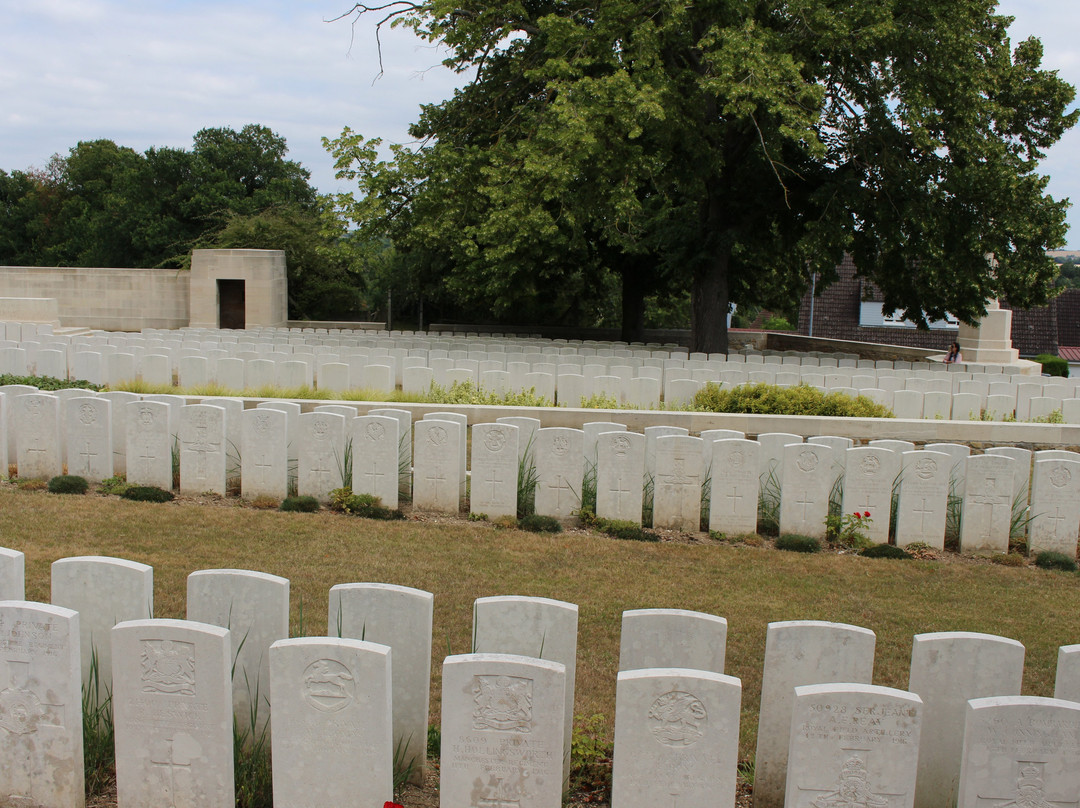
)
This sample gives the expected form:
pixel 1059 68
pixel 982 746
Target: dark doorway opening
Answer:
pixel 231 312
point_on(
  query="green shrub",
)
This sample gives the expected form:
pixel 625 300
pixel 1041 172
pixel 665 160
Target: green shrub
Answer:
pixel 114 485
pixel 883 551
pixel 303 504
pixel 777 323
pixel 540 524
pixel 590 759
pixel 367 506
pixel 1053 365
pixel 798 544
pixel 768 399
pixel 469 393
pixel 147 493
pixel 618 528
pixel 48 382
pixel 68 484
pixel 1050 560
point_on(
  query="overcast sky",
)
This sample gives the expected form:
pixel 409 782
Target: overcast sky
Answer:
pixel 153 72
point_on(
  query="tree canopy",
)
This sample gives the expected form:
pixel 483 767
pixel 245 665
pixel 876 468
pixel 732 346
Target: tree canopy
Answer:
pixel 728 148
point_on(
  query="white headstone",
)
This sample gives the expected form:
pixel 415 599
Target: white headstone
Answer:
pixel 89 436
pixel 532 627
pixel 332 732
pixel 104 591
pixel 41 733
pixel 119 400
pixel 1055 507
pixel 149 444
pixel 947 669
pixel 399 617
pixel 808 480
pixel 922 507
pixel 12 574
pixel 870 475
pixel 264 459
pixel 803 652
pixel 203 455
pixel 37 436
pixel 502 731
pixel 526 435
pixel 322 455
pixel 438 466
pixel 1067 679
pixel 559 471
pixel 620 471
pixel 672 638
pixel 494 470
pixel 676 738
pixel 405 445
pixel 853 745
pixel 735 481
pixel 677 483
pixel 987 508
pixel 254 606
pixel 174 725
pixel 376 457
pixel 1020 751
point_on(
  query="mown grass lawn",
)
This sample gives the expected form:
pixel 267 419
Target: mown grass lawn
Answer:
pixel 459 561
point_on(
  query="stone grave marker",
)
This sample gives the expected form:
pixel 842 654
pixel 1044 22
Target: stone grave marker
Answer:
pixel 332 733
pixel 37 436
pixel 1067 679
pixel 853 745
pixel 559 471
pixel 203 453
pixel 526 435
pixel 292 426
pixel 1020 751
pixel 676 738
pixel 322 453
pixel 620 468
pixel 12 574
pixel 264 458
pixel 376 455
pixel 801 652
pixel 1055 507
pixel 4 399
pixel 532 627
pixel 677 483
pixel 149 444
pixel 808 479
pixel 494 470
pixel 104 591
pixel 399 617
pixel 118 411
pixel 439 469
pixel 733 500
pixel 462 421
pixel 947 669
pixel 987 506
pixel 922 507
pixel 174 726
pixel 405 446
pixel 254 606
pixel 871 473
pixel 89 436
pixel 959 454
pixel 672 638
pixel 41 734
pixel 1021 471
pixel 771 471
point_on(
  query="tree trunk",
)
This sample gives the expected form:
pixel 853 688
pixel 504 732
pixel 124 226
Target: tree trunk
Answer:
pixel 709 306
pixel 633 303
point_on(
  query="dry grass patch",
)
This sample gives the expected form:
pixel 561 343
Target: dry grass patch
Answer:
pixel 459 561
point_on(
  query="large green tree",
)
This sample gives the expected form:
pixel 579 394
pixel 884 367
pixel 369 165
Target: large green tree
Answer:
pixel 726 146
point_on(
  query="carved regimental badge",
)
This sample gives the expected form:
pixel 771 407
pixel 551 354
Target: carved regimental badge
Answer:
pixel 1060 476
pixel 319 428
pixel 678 719
pixel 807 461
pixel 926 468
pixel 502 703
pixel 375 432
pixel 737 459
pixel 262 423
pixel 871 465
pixel 87 414
pixel 620 445
pixel 328 686
pixel 495 440
pixel 560 445
pixel 436 436
pixel 33 406
pixel 168 666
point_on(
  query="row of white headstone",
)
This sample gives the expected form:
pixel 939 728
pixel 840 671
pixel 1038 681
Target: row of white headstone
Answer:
pixel 384 453
pixel 827 736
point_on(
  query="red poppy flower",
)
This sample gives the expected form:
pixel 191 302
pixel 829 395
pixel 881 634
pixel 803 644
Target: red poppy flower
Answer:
pixel 392 805
pixel 866 514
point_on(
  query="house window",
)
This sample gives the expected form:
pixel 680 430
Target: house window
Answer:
pixel 871 315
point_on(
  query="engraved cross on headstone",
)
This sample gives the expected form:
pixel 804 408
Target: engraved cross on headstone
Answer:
pixel 805 502
pixel 493 480
pixel 147 457
pixel 923 511
pixel 735 498
pixel 435 477
pixel 201 447
pixel 558 487
pixel 1056 519
pixel 619 490
pixel 989 496
pixel 86 455
pixel 322 470
pixel 374 474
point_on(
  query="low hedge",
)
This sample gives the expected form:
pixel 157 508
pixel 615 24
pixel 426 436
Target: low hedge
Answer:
pixel 768 399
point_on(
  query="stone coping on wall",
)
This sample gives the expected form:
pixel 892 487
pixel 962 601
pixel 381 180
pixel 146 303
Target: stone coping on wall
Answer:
pixel 972 433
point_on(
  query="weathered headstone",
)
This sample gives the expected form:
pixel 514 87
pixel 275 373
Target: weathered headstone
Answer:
pixel 808 480
pixel 1055 507
pixel 322 454
pixel 802 652
pixel 405 446
pixel 735 481
pixel 37 436
pixel 41 733
pixel 676 738
pixel 677 483
pixel 987 507
pixel 559 471
pixel 174 725
pixel 620 469
pixel 532 627
pixel 922 507
pixel 89 436
pixel 332 731
pixel 1020 752
pixel 104 591
pixel 526 435
pixel 376 456
pixel 1021 472
pixel 203 453
pixel 149 444
pixel 947 669
pixel 264 459
pixel 871 473
pixel 399 617
pixel 12 574
pixel 438 467
pixel 672 638
pixel 502 731
pixel 771 470
pixel 494 470
pixel 853 745
pixel 1067 678
pixel 254 606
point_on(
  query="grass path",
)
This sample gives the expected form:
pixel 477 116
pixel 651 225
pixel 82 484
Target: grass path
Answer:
pixel 459 561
